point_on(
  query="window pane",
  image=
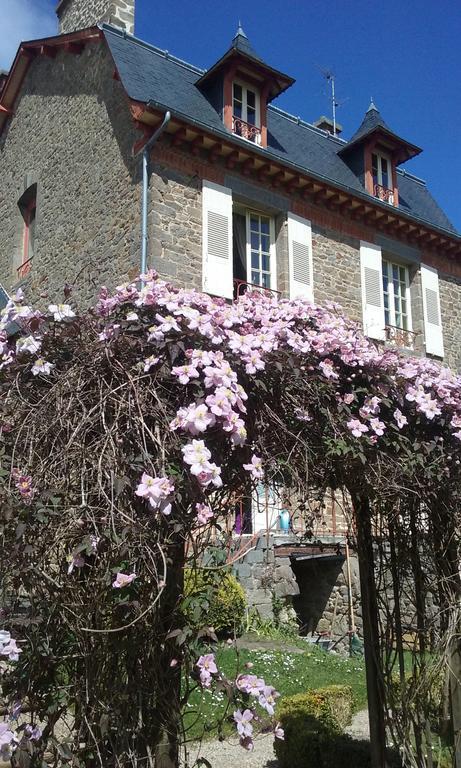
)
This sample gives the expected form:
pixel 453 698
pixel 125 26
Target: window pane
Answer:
pixel 395 273
pixel 254 260
pixel 237 109
pixel 251 99
pixel 387 317
pixel 237 91
pixel 266 280
pixel 265 243
pixel 255 278
pixel 254 241
pixel 265 262
pixel 254 223
pixel 402 274
pixel 264 225
pixel 251 116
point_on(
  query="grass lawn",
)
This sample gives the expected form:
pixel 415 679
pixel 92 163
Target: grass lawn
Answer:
pixel 288 672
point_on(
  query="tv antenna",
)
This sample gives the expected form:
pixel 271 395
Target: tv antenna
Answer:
pixel 329 76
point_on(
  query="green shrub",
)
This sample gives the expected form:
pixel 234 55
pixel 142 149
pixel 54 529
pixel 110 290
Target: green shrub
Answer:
pixel 214 599
pixel 311 721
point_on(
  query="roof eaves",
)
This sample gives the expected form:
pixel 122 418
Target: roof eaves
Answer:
pixel 264 152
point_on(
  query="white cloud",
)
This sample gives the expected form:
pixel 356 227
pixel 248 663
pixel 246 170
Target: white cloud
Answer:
pixel 24 20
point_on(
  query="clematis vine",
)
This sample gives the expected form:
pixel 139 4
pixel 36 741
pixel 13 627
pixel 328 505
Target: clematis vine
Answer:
pixel 158 491
pixel 123 580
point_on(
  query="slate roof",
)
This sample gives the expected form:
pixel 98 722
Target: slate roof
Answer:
pixel 242 44
pixel 151 75
pixel 373 121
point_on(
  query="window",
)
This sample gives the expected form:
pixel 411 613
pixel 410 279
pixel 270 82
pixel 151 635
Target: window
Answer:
pixel 254 250
pixel 381 168
pixel 28 207
pixel 259 249
pixel 245 113
pixel 397 309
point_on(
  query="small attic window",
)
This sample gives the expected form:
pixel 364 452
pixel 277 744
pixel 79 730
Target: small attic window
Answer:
pixel 246 112
pixel 381 169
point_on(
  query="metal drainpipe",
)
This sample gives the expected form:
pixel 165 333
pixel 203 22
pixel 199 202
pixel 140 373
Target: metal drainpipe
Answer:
pixel 145 189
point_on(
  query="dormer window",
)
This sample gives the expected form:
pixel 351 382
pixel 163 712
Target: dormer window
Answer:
pixel 246 120
pixel 381 168
pixel 240 86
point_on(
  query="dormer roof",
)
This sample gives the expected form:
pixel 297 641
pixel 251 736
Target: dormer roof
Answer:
pixel 242 55
pixel 374 126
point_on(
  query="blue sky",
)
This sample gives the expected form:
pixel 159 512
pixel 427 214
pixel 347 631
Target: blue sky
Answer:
pixel 404 53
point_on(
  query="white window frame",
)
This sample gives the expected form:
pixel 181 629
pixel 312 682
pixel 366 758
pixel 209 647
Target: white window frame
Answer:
pixel 245 88
pixel 391 295
pixel 272 250
pixel 380 156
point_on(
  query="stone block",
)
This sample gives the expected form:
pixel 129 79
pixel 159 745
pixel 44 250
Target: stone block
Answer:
pixel 255 556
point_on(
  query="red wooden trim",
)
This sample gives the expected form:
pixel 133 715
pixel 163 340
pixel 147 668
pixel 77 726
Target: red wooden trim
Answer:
pixel 228 97
pixel 394 182
pixel 368 169
pixel 264 93
pixel 26 259
pixel 75 48
pixel 47 50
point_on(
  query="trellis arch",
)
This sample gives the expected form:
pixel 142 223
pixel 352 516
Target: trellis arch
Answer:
pixel 127 429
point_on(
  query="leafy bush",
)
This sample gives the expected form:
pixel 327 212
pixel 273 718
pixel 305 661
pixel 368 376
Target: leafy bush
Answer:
pixel 312 721
pixel 215 599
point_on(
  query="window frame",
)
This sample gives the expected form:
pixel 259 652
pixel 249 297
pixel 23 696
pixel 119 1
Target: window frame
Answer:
pixel 379 182
pixel 272 250
pixel 386 263
pixel 28 208
pixel 244 118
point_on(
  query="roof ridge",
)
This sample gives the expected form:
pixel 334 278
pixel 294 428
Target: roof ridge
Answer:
pixel 404 172
pixel 304 123
pixel 155 49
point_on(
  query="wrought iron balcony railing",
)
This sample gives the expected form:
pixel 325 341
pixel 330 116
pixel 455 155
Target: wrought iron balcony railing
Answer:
pixel 400 336
pixel 246 130
pixel 383 193
pixel 241 287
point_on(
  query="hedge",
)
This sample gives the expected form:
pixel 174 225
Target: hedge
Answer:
pixel 214 599
pixel 312 721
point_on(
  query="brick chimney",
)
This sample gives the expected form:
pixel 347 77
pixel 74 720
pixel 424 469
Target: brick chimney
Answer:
pixel 79 14
pixel 326 124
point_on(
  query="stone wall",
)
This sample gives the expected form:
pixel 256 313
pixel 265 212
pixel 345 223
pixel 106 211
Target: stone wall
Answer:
pixel 450 305
pixel 79 14
pixel 336 263
pixel 175 226
pixel 72 134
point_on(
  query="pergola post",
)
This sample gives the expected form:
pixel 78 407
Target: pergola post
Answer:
pixel 376 701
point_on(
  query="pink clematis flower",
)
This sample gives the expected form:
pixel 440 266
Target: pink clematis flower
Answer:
pixel 267 698
pixel 42 366
pixel 400 418
pixel 279 733
pixel 377 426
pixel 204 513
pixel 61 312
pixel 11 650
pixel 157 491
pixel 356 427
pixel 255 468
pixel 207 667
pixel 123 580
pixel 243 722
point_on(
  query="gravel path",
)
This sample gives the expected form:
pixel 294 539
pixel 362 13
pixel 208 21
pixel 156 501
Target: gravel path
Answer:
pixel 229 754
pixel 360 726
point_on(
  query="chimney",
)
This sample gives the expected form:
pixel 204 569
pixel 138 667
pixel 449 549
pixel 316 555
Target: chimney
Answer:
pixel 79 14
pixel 326 124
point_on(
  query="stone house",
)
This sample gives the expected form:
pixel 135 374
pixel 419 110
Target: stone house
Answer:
pixel 241 192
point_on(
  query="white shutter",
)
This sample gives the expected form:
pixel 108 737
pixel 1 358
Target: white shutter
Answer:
pixel 300 257
pixel 371 273
pixel 217 240
pixel 431 309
